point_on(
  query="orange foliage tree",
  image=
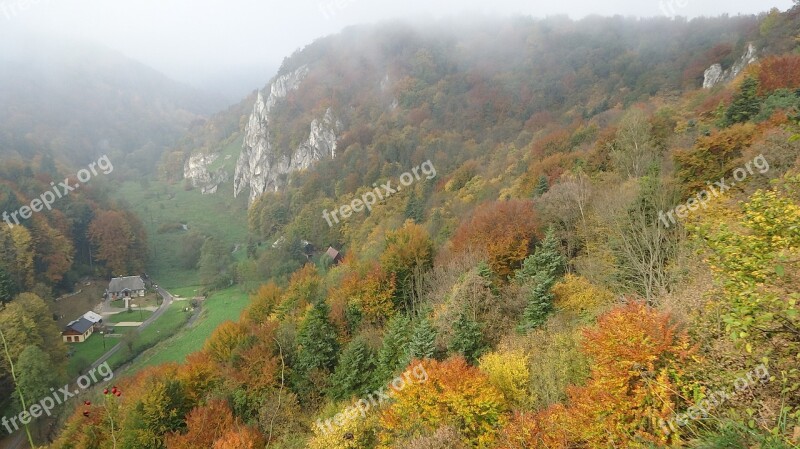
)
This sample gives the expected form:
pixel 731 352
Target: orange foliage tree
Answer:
pixel 368 294
pixel 115 238
pixel 205 425
pixel 506 230
pixel 779 72
pixel 639 358
pixel 240 438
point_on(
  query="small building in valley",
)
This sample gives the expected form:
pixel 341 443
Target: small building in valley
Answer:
pixel 78 331
pixel 334 254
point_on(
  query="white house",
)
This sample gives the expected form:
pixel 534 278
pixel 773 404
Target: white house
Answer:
pixel 126 287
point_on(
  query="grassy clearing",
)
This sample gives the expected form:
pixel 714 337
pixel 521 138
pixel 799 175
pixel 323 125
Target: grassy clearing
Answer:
pixel 159 204
pixel 220 307
pixel 84 354
pixel 163 328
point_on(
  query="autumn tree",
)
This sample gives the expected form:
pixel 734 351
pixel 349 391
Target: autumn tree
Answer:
pixel 159 410
pixel 243 437
pixel 204 426
pixel 225 341
pixel 17 255
pixel 509 372
pixel 506 230
pixel 263 303
pixel 713 157
pixel 639 355
pixel 116 243
pixel 408 254
pixel 28 321
pixel 778 72
pixel 454 394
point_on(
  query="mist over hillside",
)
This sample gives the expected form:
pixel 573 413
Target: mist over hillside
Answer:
pixel 77 101
pixel 465 231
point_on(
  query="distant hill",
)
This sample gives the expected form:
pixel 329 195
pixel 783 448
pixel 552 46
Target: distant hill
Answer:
pixel 77 101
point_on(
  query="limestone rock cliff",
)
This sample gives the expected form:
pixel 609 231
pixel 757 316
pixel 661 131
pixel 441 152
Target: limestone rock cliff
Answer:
pixel 715 75
pixel 196 169
pixel 261 167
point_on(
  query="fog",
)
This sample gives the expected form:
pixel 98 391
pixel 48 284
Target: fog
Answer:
pixel 240 43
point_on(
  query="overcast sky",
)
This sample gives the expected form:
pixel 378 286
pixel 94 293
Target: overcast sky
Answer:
pixel 200 41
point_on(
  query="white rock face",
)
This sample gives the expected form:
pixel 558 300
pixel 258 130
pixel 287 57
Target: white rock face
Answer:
pixel 261 167
pixel 196 170
pixel 714 75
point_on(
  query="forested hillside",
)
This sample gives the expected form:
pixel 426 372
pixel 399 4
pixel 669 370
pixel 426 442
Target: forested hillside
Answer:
pixel 553 237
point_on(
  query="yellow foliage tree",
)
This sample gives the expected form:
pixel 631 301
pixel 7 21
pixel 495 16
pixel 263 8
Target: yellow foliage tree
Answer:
pixel 508 371
pixel 575 294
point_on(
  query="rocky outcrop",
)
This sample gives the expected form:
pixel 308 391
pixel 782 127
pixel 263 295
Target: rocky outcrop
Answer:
pixel 261 167
pixel 196 169
pixel 715 75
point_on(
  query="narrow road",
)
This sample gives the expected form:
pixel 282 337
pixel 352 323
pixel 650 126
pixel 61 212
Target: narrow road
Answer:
pixel 20 441
pixel 168 298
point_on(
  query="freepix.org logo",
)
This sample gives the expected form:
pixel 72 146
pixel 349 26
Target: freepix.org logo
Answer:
pixel 382 192
pixel 60 190
pixel 102 373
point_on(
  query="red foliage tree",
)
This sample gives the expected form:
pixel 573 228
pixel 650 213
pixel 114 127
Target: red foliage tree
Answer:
pixel 779 72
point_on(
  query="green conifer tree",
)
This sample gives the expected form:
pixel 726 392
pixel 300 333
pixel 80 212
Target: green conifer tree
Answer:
pixel 467 338
pixel 392 355
pixel 423 340
pixel 539 273
pixel 354 372
pixel 745 105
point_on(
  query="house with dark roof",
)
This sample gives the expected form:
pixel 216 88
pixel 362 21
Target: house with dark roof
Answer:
pixel 126 287
pixel 78 331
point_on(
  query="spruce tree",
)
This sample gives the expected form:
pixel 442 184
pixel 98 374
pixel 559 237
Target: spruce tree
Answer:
pixel 415 208
pixel 354 372
pixel 745 103
pixel 467 338
pixel 423 340
pixel 539 273
pixel 392 355
pixel 542 187
pixel 317 341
